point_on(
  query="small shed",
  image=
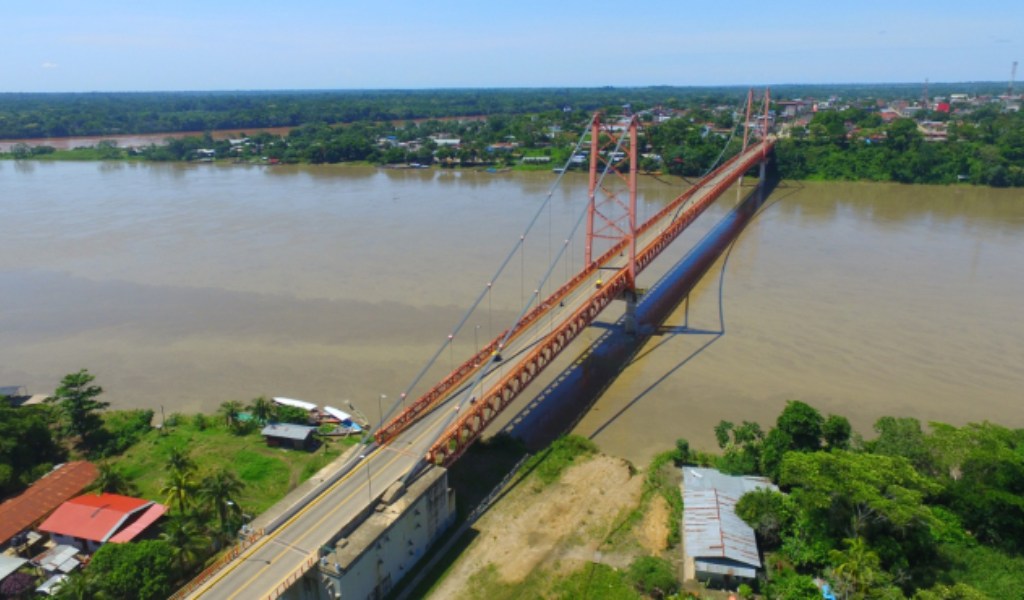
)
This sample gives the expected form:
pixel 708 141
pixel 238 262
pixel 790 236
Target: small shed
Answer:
pixel 299 437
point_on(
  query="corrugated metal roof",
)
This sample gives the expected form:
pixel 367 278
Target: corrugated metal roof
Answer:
pixel 711 527
pixel 55 557
pixel 700 478
pixel 44 496
pixel 713 530
pixel 288 431
pixel 93 517
pixel 10 564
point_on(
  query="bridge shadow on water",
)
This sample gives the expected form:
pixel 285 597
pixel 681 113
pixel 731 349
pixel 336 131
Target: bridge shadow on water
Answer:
pixel 558 408
pixel 493 467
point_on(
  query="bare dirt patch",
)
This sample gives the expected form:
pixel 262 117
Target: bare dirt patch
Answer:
pixel 557 527
pixel 653 531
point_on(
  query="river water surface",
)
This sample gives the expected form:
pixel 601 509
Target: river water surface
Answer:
pixel 183 286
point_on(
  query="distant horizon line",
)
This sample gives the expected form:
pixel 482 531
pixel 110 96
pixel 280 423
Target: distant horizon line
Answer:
pixel 514 88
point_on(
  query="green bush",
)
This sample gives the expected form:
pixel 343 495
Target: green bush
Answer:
pixel 559 456
pixel 653 576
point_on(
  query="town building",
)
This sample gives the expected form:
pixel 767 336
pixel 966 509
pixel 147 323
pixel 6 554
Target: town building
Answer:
pixel 719 548
pixel 91 520
pixel 20 513
pixel 368 561
pixel 299 437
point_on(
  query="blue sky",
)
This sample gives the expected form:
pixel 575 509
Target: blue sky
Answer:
pixel 106 45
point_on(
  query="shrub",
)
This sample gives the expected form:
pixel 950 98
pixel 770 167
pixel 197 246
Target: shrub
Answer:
pixel 653 576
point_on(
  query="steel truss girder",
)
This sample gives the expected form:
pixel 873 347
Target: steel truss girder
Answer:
pixel 467 428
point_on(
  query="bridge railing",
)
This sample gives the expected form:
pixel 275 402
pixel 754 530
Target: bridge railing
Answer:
pixel 295 575
pixel 217 565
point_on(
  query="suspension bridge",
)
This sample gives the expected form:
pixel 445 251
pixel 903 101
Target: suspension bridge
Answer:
pixel 437 426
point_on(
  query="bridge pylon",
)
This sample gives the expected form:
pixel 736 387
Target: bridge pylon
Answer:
pixel 762 128
pixel 611 212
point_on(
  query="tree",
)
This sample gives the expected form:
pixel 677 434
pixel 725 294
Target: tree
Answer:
pixel 179 460
pixel 262 409
pixel 854 494
pixel 179 490
pixel 857 572
pixel 802 424
pixel 27 447
pixel 903 437
pixel 767 512
pixel 140 569
pixel 186 541
pixel 112 481
pixel 230 410
pixel 218 491
pixel 80 585
pixel 836 431
pixel 76 400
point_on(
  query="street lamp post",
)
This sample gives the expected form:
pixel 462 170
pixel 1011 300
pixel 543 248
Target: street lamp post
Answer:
pixel 369 483
pixel 359 413
pixel 380 409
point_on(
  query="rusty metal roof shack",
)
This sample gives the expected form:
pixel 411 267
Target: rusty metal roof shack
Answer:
pixel 720 543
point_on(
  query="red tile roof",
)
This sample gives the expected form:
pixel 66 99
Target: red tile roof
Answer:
pixel 93 517
pixel 21 512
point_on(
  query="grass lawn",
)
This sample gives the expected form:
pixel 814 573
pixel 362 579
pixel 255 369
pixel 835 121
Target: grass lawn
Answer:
pixel 268 473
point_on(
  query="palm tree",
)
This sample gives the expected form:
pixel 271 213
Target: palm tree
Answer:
pixel 186 541
pixel 262 409
pixel 180 461
pixel 218 492
pixel 113 481
pixel 179 490
pixel 79 585
pixel 230 410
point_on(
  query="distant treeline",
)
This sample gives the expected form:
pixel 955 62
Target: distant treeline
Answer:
pixel 984 147
pixel 37 115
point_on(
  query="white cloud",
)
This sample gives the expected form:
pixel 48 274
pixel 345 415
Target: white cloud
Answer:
pixel 49 65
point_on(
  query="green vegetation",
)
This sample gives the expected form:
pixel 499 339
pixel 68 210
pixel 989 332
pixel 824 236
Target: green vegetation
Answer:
pixel 985 146
pixel 908 514
pixel 502 127
pixel 556 458
pixel 215 473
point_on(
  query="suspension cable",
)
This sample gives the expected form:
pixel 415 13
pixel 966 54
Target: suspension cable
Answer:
pixel 487 288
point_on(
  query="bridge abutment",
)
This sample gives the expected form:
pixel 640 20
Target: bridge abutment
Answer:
pixel 375 555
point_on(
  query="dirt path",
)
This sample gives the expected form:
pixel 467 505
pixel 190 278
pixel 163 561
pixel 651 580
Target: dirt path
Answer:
pixel 562 524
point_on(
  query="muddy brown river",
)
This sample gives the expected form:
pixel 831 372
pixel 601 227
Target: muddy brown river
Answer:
pixel 183 286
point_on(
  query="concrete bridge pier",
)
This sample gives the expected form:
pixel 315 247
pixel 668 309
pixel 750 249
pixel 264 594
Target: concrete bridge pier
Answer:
pixel 629 319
